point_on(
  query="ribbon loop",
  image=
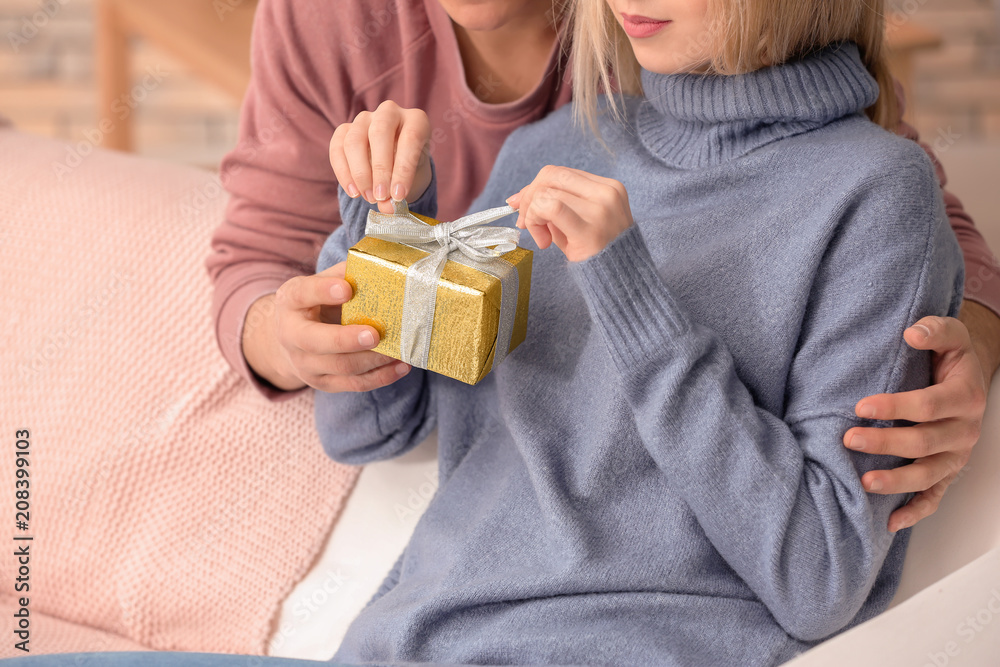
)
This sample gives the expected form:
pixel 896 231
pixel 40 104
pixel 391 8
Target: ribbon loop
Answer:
pixel 447 240
pixel 403 227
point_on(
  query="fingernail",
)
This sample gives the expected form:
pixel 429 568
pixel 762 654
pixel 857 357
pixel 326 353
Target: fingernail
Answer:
pixel 923 329
pixel 867 411
pixel 369 197
pixel 903 524
pixel 337 292
pixel 513 200
pixel 397 191
pixel 366 339
pixel 352 191
pixel 858 443
pixel 380 193
pixel 402 369
pixel 875 485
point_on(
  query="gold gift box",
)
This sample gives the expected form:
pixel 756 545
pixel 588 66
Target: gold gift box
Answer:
pixel 466 313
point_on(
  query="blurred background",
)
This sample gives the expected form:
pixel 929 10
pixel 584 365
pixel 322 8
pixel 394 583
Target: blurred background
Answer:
pixel 165 77
pixel 51 72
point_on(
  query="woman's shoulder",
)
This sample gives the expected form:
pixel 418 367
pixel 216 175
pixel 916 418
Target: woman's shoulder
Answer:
pixel 864 152
pixel 871 180
pixel 884 196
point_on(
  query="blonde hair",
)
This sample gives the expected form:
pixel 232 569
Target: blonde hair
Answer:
pixel 743 35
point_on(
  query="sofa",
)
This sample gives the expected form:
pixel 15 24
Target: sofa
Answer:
pixel 173 508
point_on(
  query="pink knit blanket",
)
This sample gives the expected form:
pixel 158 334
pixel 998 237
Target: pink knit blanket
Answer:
pixel 171 507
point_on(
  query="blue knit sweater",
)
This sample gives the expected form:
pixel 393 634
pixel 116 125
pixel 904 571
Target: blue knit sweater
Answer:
pixel 657 475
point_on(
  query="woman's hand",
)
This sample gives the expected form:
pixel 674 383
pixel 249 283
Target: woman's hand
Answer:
pixel 949 415
pixel 295 339
pixel 579 212
pixel 383 154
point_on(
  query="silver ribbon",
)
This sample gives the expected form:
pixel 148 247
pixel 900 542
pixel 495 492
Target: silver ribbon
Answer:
pixel 464 241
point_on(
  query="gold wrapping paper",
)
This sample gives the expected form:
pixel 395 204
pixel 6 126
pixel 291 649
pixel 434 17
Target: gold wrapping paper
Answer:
pixel 466 314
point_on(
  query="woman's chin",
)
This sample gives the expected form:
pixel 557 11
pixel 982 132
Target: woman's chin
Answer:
pixel 659 64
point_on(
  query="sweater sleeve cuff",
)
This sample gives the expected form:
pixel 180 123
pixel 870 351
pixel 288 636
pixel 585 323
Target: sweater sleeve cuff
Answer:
pixel 629 301
pixel 229 333
pixel 982 281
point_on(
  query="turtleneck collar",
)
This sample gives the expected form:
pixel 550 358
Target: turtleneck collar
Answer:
pixel 697 120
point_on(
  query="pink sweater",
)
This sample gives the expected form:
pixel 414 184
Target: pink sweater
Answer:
pixel 315 68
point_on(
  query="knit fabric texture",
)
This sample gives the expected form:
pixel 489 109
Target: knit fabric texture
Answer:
pixel 172 507
pixel 657 474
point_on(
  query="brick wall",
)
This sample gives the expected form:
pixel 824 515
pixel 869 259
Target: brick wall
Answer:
pixel 47 79
pixel 957 86
pixel 47 86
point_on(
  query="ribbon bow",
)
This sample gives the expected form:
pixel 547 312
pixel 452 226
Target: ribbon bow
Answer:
pixel 447 240
pixel 465 234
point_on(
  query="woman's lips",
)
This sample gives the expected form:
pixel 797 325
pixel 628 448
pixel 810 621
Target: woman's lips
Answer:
pixel 641 26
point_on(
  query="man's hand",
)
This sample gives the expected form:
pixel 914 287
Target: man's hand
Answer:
pixel 297 339
pixel 383 154
pixel 948 415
